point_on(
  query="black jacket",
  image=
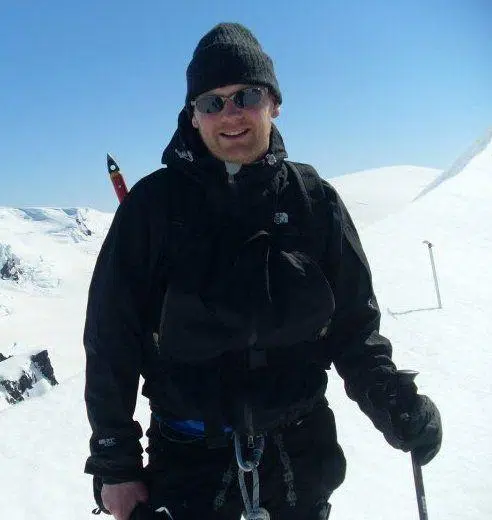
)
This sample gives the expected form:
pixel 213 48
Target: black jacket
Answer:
pixel 135 271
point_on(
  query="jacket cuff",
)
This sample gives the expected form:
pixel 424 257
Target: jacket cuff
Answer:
pixel 115 476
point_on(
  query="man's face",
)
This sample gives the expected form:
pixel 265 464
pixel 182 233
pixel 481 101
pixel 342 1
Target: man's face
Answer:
pixel 238 135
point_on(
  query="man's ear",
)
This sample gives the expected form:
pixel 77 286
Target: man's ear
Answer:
pixel 275 110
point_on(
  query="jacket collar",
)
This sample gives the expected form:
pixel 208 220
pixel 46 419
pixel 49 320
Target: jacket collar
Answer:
pixel 187 152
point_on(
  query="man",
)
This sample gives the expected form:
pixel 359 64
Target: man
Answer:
pixel 231 281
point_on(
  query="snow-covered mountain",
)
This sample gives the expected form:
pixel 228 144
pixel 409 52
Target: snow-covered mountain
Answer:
pixel 45 439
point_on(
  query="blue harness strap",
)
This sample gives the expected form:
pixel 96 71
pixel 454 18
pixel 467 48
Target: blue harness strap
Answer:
pixel 188 427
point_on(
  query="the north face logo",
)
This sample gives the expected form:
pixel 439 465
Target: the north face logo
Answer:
pixel 281 218
pixel 107 443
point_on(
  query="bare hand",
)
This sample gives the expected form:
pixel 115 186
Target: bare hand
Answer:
pixel 121 499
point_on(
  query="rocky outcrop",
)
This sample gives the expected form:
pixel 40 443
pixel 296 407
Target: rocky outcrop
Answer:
pixel 22 376
pixel 42 361
pixel 11 269
pixel 82 226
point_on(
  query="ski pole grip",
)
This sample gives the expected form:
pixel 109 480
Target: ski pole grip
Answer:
pixel 406 384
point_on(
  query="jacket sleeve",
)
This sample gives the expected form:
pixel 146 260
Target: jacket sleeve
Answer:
pixel 361 355
pixel 113 340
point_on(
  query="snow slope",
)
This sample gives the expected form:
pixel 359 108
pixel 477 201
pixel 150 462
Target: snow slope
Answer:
pixel 449 346
pixel 389 190
pixel 44 440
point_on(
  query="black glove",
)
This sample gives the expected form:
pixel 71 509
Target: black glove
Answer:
pixel 418 428
pixel 409 421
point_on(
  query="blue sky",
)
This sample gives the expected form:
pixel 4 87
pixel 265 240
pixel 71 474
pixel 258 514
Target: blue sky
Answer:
pixel 365 84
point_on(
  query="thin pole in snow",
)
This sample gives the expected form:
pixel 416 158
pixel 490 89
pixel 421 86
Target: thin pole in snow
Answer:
pixel 405 378
pixel 431 254
pixel 419 489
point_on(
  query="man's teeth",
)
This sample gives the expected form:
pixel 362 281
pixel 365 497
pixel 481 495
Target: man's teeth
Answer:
pixel 234 133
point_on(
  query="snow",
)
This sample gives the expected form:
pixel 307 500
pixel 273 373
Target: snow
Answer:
pixel 44 439
pixel 462 161
pixel 389 190
pixel 11 368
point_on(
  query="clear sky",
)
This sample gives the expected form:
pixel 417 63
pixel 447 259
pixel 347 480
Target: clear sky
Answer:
pixel 365 84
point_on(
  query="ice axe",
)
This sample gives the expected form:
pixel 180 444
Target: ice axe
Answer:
pixel 116 178
pixel 406 378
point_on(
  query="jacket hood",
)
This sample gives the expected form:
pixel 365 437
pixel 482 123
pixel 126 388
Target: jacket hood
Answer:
pixel 186 150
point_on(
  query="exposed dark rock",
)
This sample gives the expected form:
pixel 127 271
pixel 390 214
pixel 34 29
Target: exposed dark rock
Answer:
pixel 40 368
pixel 3 358
pixel 42 361
pixel 83 227
pixel 16 389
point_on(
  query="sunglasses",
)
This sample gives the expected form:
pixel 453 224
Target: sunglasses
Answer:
pixel 249 97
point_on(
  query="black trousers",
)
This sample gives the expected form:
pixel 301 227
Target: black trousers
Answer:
pixel 301 466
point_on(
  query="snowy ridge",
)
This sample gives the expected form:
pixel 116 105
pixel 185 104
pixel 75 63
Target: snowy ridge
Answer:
pixel 462 162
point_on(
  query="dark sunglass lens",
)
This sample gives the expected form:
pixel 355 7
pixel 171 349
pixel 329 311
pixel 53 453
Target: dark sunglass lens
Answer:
pixel 209 104
pixel 248 97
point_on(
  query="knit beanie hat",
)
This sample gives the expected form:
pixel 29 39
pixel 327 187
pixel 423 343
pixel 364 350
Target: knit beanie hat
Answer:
pixel 226 55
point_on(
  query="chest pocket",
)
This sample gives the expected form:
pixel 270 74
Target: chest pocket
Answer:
pixel 231 289
pixel 268 294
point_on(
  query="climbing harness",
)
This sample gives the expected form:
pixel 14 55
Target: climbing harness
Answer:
pixel 256 446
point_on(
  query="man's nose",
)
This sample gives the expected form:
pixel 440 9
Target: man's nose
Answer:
pixel 230 108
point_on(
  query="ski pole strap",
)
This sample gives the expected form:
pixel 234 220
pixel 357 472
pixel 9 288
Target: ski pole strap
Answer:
pixel 256 446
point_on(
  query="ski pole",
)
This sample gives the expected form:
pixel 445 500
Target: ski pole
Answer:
pixel 405 378
pixel 419 489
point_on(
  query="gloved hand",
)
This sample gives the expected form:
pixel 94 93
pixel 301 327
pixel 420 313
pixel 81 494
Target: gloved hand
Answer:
pixel 409 421
pixel 417 429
